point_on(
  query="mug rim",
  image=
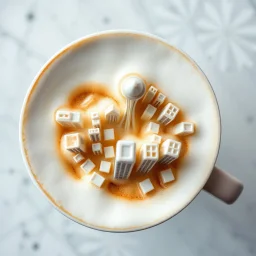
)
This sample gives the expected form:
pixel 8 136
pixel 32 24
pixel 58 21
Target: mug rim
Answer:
pixel 74 44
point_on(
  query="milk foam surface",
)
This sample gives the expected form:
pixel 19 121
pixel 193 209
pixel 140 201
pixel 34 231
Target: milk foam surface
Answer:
pixel 106 59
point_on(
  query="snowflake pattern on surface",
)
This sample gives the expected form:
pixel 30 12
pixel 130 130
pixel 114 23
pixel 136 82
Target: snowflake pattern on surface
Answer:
pixel 226 34
pixel 177 21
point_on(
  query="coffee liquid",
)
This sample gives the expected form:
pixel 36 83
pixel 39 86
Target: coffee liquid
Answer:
pixel 86 98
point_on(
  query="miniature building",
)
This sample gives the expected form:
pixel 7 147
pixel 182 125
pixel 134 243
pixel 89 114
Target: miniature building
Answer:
pixel 97 179
pixel 166 176
pixel 109 134
pixel 87 166
pixel 159 100
pixel 148 112
pixel 146 186
pixel 96 123
pixel 94 134
pixel 112 114
pixel 149 156
pixel 97 148
pixel 78 158
pixel 168 114
pixel 109 152
pixel 152 127
pixel 154 138
pixel 95 116
pixel 68 118
pixel 183 129
pixel 74 142
pixel 125 159
pixel 105 166
pixel 150 94
pixel 169 151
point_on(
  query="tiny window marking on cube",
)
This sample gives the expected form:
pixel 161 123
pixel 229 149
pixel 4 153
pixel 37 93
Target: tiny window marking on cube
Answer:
pixel 97 179
pixel 63 115
pixel 87 166
pixel 161 96
pixel 153 89
pixel 68 118
pixel 175 151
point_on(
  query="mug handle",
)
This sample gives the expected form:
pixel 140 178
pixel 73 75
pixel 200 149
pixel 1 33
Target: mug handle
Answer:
pixel 223 186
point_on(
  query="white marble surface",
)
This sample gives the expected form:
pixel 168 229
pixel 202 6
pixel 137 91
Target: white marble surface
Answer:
pixel 219 35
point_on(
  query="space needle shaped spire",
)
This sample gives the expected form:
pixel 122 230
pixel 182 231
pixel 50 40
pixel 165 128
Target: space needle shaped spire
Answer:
pixel 133 88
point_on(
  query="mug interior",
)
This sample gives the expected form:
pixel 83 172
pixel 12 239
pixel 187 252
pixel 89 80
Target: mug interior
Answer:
pixel 106 58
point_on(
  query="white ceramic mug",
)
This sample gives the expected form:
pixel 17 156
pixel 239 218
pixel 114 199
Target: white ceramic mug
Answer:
pixel 105 57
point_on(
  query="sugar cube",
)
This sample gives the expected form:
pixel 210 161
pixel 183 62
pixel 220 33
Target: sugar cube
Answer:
pixel 166 176
pixel 146 186
pixel 105 166
pixel 87 166
pixel 109 152
pixel 155 138
pixel 97 179
pixel 109 134
pixel 78 158
pixel 152 128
